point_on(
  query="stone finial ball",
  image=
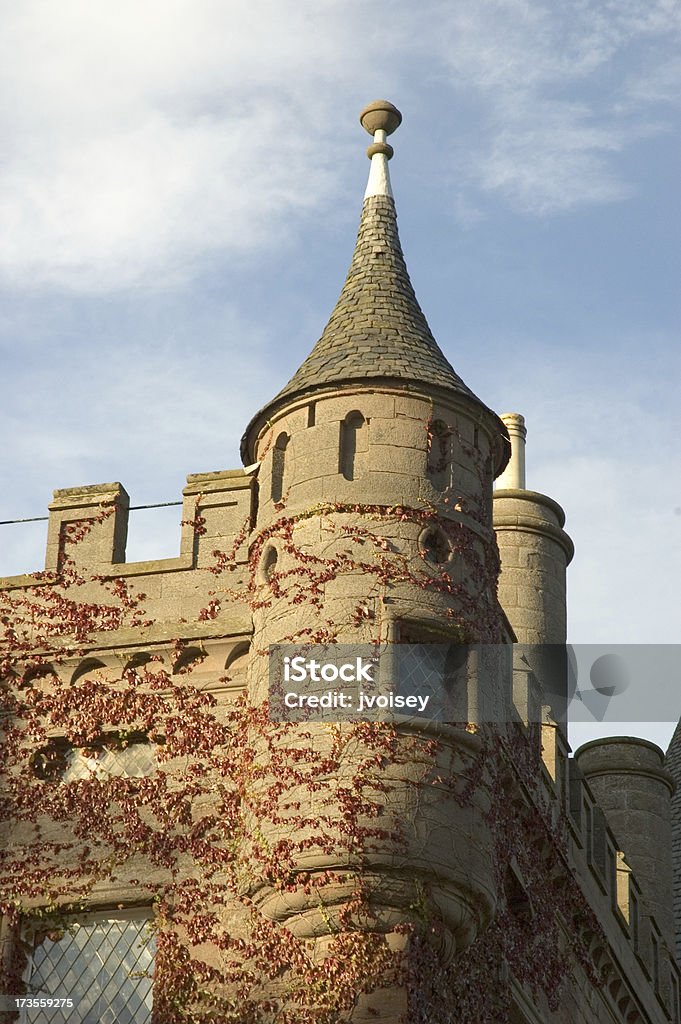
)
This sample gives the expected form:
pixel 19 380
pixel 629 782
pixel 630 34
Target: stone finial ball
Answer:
pixel 380 115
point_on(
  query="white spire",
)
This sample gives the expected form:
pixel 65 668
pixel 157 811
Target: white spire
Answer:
pixel 379 119
pixel 379 173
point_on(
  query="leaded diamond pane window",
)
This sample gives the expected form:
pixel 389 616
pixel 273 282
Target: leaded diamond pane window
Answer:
pixel 103 962
pixel 134 761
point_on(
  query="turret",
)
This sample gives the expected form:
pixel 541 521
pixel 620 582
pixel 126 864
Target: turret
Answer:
pixel 374 523
pixel 534 549
pixel 376 416
pixel 632 786
pixel 535 552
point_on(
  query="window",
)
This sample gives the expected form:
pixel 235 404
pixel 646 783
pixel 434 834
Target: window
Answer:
pixel 125 757
pixel 353 444
pixel 103 962
pixel 268 563
pixel 279 467
pixel 428 662
pixel 110 760
pixel 434 545
pixel 439 455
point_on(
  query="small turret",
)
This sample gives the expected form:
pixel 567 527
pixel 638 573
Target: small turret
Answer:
pixel 534 549
pixel 632 786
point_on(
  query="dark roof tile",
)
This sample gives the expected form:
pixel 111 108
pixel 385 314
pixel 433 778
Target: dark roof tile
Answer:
pixel 377 329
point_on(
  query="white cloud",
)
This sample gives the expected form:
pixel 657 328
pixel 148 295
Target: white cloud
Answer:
pixel 143 137
pixel 562 87
pixel 152 198
pixel 554 162
pixel 604 446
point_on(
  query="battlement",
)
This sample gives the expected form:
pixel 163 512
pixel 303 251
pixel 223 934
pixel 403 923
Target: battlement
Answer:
pixel 89 524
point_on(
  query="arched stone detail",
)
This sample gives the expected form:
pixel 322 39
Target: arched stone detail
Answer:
pixel 188 659
pixel 138 660
pixel 269 561
pixel 236 665
pixel 86 667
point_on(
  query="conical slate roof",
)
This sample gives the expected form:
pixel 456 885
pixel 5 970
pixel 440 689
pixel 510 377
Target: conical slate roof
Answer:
pixel 377 329
pixel 377 332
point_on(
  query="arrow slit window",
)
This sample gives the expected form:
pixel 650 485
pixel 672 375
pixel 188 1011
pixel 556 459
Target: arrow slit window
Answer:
pixel 354 445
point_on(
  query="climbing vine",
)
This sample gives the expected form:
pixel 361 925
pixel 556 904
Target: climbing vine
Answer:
pixel 246 826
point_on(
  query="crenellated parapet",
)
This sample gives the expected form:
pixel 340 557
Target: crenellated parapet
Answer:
pixel 89 525
pixel 86 539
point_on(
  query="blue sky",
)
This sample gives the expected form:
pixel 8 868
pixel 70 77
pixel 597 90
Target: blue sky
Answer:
pixel 179 193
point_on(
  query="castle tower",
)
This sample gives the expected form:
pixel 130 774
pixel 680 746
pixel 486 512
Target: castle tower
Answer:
pixel 376 413
pixel 374 524
pixel 630 782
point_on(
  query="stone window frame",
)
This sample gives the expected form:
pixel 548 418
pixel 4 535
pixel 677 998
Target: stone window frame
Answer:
pixel 279 461
pixel 31 927
pixel 438 472
pixel 351 425
pixel 442 544
pixel 57 750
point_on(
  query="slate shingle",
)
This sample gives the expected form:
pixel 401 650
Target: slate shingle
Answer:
pixel 377 329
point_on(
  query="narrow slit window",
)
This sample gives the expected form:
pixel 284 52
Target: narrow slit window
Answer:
pixel 353 444
pixel 439 455
pixel 268 563
pixel 279 467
